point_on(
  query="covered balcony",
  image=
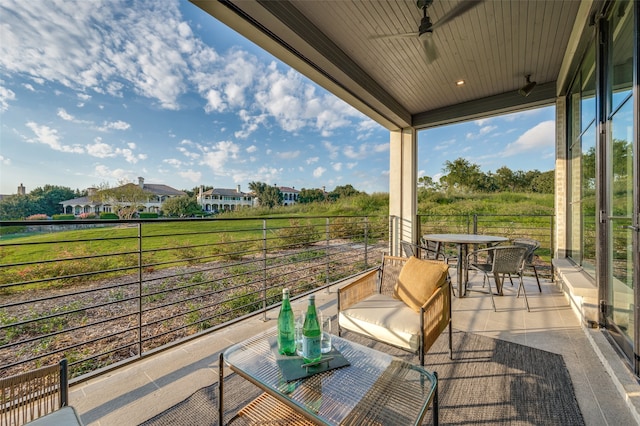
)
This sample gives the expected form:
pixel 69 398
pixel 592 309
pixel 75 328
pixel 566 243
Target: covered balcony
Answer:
pixel 413 65
pixel 465 60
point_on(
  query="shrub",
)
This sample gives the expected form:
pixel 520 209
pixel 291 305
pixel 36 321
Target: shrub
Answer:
pixel 38 217
pixel 243 301
pixel 296 235
pixel 347 228
pixel 229 249
pixel 147 215
pixel 108 216
pixel 88 216
pixel 8 230
pixel 63 217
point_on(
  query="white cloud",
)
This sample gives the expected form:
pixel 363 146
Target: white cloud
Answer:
pixel 103 150
pixel 189 154
pixel 151 51
pixel 114 125
pixel 288 155
pixel 444 145
pixel 364 150
pixel 366 127
pixel 250 123
pixel 336 166
pixel 263 174
pixel 217 156
pixel 537 138
pixel 62 113
pixel 66 46
pixel 100 149
pixel 191 175
pixel 312 160
pixel 487 129
pixel 6 95
pixel 5 161
pixel 173 162
pixel 382 147
pixel 48 136
pixel 318 172
pixel 115 176
pixel 251 149
pixel 29 87
pixel 333 150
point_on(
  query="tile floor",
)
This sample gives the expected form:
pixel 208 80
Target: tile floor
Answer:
pixel 140 390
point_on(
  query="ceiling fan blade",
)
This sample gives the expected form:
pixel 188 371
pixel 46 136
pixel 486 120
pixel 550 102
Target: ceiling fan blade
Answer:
pixel 429 48
pixel 388 36
pixel 460 9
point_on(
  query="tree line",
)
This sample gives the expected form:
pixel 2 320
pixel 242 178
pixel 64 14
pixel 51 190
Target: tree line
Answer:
pixel 462 175
pixel 459 175
pixel 130 197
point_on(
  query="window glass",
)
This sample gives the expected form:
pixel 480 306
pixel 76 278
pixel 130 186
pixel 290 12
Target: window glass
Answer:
pixel 582 171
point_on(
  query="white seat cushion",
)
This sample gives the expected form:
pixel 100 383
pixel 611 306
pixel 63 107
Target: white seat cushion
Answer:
pixel 384 318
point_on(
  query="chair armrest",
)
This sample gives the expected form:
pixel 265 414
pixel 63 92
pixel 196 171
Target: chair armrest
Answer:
pixel 480 251
pixel 436 314
pixel 363 287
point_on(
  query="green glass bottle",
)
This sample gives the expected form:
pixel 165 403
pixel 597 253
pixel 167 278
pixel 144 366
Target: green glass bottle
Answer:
pixel 311 333
pixel 286 327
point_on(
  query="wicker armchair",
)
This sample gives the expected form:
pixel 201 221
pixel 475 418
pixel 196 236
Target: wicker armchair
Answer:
pixel 366 306
pixel 31 395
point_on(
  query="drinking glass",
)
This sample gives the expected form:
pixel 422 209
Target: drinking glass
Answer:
pixel 325 325
pixel 299 323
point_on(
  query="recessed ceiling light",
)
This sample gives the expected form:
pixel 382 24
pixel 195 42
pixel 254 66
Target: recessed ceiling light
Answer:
pixel 460 83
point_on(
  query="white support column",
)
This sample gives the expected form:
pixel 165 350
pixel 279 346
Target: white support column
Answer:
pixel 403 200
pixel 561 181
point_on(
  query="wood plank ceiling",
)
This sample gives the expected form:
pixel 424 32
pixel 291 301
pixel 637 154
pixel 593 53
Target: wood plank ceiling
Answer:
pixel 343 44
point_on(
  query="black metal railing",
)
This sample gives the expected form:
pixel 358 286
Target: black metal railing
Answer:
pixel 102 293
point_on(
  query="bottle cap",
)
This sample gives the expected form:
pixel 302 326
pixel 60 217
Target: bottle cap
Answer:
pixel 285 291
pixel 312 298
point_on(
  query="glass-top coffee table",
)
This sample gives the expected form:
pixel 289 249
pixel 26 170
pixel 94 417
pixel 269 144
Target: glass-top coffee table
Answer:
pixel 375 388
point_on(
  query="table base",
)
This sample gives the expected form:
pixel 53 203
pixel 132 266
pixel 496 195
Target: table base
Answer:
pixel 266 409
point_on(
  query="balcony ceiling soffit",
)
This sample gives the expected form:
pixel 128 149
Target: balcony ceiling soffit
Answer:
pixel 491 46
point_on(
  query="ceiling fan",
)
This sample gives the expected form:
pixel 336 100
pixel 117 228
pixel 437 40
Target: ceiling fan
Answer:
pixel 425 30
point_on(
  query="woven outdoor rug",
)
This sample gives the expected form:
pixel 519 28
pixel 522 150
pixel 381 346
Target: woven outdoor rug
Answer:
pixel 489 381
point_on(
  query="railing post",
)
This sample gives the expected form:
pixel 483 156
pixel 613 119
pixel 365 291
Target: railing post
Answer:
pixel 327 236
pixel 264 270
pixel 552 246
pixel 139 289
pixel 475 223
pixel 366 242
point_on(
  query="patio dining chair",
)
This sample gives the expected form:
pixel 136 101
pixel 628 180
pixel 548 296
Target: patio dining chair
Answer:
pixel 429 250
pixel 500 261
pixel 531 245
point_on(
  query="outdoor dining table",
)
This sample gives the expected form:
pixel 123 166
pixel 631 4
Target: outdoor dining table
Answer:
pixel 463 241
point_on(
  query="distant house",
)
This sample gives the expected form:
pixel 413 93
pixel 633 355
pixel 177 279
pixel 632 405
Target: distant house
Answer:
pixel 222 199
pixel 289 195
pixel 159 194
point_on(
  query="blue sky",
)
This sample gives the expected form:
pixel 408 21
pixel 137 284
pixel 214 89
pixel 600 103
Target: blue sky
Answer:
pixel 95 92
